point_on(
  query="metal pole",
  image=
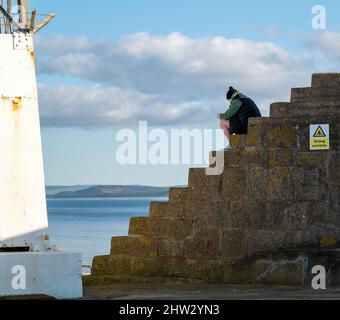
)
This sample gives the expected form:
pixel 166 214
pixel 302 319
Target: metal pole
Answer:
pixel 32 23
pixel 44 22
pixel 9 9
pixel 9 18
pixel 23 14
pixel 2 19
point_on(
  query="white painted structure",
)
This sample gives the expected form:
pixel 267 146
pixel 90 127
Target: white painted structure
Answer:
pixel 23 213
pixel 53 274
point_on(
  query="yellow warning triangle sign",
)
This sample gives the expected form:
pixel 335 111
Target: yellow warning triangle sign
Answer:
pixel 319 133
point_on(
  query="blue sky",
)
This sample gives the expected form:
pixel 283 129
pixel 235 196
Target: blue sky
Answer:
pixel 138 54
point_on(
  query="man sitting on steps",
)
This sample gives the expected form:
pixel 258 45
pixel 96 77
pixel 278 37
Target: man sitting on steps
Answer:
pixel 235 120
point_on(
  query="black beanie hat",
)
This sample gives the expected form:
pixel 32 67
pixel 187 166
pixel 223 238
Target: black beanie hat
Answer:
pixel 231 92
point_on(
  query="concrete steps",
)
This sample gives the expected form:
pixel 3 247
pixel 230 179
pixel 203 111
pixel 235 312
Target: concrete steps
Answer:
pixel 160 227
pixel 321 80
pixel 293 110
pixel 274 195
pixel 316 94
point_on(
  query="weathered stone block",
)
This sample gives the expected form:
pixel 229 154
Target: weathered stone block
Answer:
pixel 171 247
pixel 232 158
pixel 252 139
pixel 315 94
pixel 260 242
pixel 207 193
pixel 247 215
pixel 209 272
pixel 280 157
pixel 178 194
pixel 302 110
pixel 326 80
pixel 146 267
pixel 111 265
pixel 198 178
pixel 256 184
pixel 173 267
pixel 236 215
pixel 172 228
pixel 280 135
pixel 254 158
pixel 134 247
pixel 203 245
pixel 238 141
pixel 205 214
pixel 161 227
pixel 321 213
pixel 233 183
pixel 100 264
pixel 287 216
pixel 139 226
pixel 233 243
pixel 281 183
pixel 312 184
pixel 166 210
pixel 310 159
pixel 158 209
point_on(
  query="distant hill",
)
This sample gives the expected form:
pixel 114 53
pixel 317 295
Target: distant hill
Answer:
pixel 77 192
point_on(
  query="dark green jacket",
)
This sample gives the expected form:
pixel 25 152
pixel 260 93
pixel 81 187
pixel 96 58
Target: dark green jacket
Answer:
pixel 234 108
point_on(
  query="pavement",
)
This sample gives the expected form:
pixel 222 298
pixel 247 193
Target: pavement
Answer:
pixel 206 292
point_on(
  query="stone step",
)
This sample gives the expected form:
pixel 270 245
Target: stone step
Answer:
pixel 267 133
pixel 131 266
pixel 239 157
pixel 166 210
pixel 325 80
pixel 100 280
pixel 203 215
pixel 312 110
pixel 274 194
pixel 198 178
pixel 161 227
pixel 178 194
pixel 117 268
pixel 287 134
pixel 143 247
pixel 315 94
pixel 292 267
pixel 240 163
pixel 140 247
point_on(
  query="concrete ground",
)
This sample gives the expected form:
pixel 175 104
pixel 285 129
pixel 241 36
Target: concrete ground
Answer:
pixel 206 292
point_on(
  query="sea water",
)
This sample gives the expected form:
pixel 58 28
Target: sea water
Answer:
pixel 87 225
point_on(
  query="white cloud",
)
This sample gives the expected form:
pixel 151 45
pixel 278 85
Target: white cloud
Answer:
pixel 327 44
pixel 97 105
pixel 170 79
